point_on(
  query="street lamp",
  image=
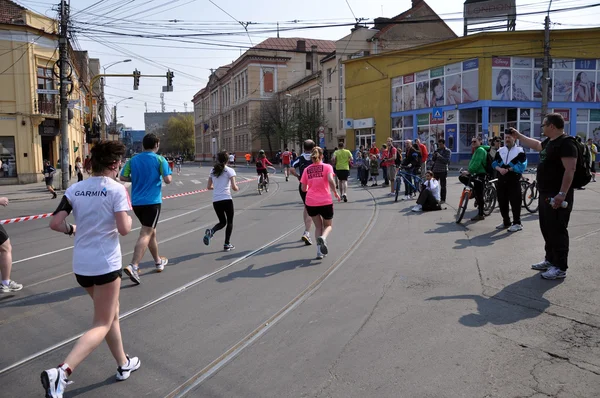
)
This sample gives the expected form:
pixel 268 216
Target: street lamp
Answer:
pixel 102 100
pixel 115 111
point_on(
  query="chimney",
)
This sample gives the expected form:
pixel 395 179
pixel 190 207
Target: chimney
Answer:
pixel 315 58
pixel 301 46
pixel 416 2
pixel 381 22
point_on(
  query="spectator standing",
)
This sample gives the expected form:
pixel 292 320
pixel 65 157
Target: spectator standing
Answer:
pixel 390 163
pixel 593 151
pixel 558 162
pixel 510 162
pixel 477 174
pixel 373 169
pixel 424 157
pixel 412 164
pixel 384 154
pixel 441 160
pixel 79 169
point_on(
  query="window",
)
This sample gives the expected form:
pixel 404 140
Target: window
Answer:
pixel 7 155
pixel 46 102
pixel 329 75
pixel 329 104
pixel 243 85
pixel 268 83
pixel 309 61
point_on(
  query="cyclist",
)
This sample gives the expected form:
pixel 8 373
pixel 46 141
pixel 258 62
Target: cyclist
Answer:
pixel 286 158
pixel 477 172
pixel 261 166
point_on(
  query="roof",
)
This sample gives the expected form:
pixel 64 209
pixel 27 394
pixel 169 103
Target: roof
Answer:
pixel 328 57
pixel 11 13
pixel 304 80
pixel 407 14
pixel 291 44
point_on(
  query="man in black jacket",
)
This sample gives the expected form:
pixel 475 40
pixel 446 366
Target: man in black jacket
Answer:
pixel 441 159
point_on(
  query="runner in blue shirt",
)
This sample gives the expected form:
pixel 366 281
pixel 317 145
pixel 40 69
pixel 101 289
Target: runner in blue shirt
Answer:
pixel 146 172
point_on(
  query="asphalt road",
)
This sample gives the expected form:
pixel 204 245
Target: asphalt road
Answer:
pixel 405 305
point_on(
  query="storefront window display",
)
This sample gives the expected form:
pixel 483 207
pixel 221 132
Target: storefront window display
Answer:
pixel 402 128
pixel 7 156
pixel 588 124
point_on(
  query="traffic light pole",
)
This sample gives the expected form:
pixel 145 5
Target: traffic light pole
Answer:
pixel 64 100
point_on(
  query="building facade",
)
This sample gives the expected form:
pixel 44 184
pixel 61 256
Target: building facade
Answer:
pixel 226 107
pixel 29 100
pixel 475 86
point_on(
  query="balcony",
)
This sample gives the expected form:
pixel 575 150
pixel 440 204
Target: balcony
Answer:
pixel 47 107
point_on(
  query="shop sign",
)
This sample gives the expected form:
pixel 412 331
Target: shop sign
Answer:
pixel 422 76
pixel 423 119
pixel 471 64
pixel 585 64
pixel 564 113
pixel 367 123
pixel 501 62
pixel 595 115
pixel 437 72
pixel 454 68
pixel 49 128
pixel 525 114
pixel 518 62
pixel 451 116
pixel 409 78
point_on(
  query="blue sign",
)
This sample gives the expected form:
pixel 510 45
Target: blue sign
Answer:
pixel 451 141
pixel 437 113
pixel 471 64
pixel 322 142
pixel 587 64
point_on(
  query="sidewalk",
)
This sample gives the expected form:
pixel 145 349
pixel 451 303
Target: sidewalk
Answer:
pixel 27 192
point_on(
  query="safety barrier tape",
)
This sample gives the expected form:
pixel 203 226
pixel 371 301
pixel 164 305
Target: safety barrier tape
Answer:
pixel 40 216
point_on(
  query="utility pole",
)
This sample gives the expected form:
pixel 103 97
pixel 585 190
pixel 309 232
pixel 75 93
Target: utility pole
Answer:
pixel 102 112
pixel 63 42
pixel 546 65
pixel 115 120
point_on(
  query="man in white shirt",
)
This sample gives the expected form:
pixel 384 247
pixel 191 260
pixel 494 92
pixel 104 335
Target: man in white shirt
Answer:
pixel 429 198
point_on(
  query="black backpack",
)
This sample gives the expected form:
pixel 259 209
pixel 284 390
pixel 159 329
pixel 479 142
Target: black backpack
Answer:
pixel 583 172
pixel 488 163
pixel 398 159
pixel 302 164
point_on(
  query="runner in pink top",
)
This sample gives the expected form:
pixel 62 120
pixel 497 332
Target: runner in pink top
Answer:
pixel 318 183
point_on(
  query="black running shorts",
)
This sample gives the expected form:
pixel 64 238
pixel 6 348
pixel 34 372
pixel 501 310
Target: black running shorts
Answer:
pixel 147 214
pixel 3 235
pixel 324 211
pixel 302 194
pixel 89 281
pixel 342 175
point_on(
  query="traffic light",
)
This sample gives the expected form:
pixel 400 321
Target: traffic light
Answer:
pixel 136 79
pixel 170 81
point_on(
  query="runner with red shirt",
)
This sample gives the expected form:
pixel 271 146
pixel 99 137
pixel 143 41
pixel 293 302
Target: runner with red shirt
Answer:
pixel 286 158
pixel 317 181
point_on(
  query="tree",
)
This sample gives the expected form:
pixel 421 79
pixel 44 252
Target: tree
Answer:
pixel 309 118
pixel 274 123
pixel 179 135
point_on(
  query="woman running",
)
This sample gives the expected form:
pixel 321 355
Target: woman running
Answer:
pixel 100 206
pixel 317 181
pixel 79 169
pixel 221 181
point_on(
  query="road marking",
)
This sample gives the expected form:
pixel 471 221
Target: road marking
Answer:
pixel 178 182
pixel 582 237
pixel 235 350
pixel 196 181
pixel 157 300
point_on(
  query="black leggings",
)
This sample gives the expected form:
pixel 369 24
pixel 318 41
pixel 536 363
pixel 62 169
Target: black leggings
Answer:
pixel 224 210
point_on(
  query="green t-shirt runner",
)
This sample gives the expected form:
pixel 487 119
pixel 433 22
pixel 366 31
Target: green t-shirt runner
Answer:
pixel 342 159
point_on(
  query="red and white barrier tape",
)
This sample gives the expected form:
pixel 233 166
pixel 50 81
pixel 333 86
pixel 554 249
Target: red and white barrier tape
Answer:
pixel 40 216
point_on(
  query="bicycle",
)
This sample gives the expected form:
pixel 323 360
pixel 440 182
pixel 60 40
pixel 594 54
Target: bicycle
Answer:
pixel 530 194
pixel 263 184
pixel 490 197
pixel 402 175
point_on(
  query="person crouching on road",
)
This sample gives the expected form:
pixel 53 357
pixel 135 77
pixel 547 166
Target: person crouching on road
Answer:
pixel 221 181
pixel 100 220
pixel 429 198
pixel 510 162
pixel 317 181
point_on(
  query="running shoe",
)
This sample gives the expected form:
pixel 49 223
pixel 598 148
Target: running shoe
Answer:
pixel 554 273
pixel 417 208
pixel 502 226
pixel 133 274
pixel 344 197
pixel 123 372
pixel 161 266
pixel 228 247
pixel 322 243
pixel 54 195
pixel 542 265
pixel 11 287
pixel 306 239
pixel 320 256
pixel 54 382
pixel 207 235
pixel 286 179
pixel 515 228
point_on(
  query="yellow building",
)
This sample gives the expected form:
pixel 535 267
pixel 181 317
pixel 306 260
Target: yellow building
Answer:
pixel 474 85
pixel 29 100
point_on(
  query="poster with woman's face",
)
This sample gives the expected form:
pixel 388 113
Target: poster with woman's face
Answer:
pixel 501 84
pixel 585 86
pixel 562 89
pixel 421 96
pixel 470 86
pixel 522 85
pixel 436 87
pixel 408 95
pixel 453 89
pixel 397 99
pixel 423 133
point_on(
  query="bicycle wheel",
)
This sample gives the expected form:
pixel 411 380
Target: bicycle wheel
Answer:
pixel 462 205
pixel 489 200
pixel 259 188
pixel 524 186
pixel 397 186
pixel 266 185
pixel 532 198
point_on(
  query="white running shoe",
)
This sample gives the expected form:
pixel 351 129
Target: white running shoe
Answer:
pixel 54 382
pixel 11 287
pixel 161 266
pixel 322 244
pixel 417 208
pixel 515 228
pixel 133 273
pixel 554 273
pixel 541 266
pixel 123 372
pixel 306 238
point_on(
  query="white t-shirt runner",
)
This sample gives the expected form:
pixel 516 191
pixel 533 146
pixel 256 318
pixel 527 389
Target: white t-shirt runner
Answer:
pixel 95 201
pixel 221 184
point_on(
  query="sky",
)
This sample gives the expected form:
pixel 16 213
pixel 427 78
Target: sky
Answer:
pixel 105 27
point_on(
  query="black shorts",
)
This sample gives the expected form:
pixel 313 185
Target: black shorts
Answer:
pixel 264 172
pixel 302 194
pixel 89 281
pixel 147 214
pixel 342 175
pixel 324 211
pixel 49 181
pixel 3 235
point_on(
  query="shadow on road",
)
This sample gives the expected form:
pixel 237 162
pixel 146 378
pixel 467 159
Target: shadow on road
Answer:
pixel 46 298
pixel 482 240
pixel 82 390
pixel 264 272
pixel 527 293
